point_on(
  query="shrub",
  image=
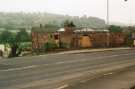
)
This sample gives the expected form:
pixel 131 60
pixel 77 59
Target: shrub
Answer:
pixel 49 46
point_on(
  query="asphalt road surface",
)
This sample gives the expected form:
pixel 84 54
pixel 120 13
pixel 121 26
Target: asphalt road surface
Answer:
pixel 56 71
pixel 124 79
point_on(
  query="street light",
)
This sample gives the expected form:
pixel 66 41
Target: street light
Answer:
pixel 107 18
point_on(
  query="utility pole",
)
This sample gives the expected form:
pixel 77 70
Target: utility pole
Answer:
pixel 107 23
pixel 107 17
pixel 108 20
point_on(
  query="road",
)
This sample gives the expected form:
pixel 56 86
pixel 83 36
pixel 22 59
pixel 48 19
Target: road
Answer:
pixel 57 71
pixel 124 79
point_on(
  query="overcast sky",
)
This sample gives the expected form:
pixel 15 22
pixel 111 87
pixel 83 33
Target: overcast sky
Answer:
pixel 120 11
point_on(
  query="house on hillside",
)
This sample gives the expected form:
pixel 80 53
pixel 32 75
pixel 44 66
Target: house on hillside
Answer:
pixel 93 38
pixel 66 37
pixel 88 38
pixel 70 37
pixel 84 37
pixel 62 37
pixel 117 39
pixel 43 35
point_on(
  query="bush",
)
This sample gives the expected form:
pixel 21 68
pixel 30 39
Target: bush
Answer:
pixel 49 46
pixel 26 46
pixel 64 45
pixel 114 28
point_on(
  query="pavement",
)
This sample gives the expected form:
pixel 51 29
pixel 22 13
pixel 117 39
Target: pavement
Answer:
pixel 57 71
pixel 91 50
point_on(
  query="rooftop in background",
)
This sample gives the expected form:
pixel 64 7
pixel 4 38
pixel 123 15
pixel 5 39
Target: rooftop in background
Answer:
pixel 91 30
pixel 53 28
pixel 45 28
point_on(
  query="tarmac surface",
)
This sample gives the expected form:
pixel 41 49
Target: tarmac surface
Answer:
pixel 57 71
pixel 119 80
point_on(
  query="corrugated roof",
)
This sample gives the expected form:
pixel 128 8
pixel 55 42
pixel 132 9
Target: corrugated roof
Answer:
pixel 91 30
pixel 61 30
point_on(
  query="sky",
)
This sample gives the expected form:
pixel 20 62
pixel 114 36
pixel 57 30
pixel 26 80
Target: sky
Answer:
pixel 119 10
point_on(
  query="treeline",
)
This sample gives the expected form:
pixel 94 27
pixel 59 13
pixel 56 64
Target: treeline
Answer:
pixel 27 20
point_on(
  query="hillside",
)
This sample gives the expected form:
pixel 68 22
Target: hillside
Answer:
pixel 17 20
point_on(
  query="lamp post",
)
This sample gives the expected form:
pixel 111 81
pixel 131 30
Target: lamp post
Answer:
pixel 107 17
pixel 108 22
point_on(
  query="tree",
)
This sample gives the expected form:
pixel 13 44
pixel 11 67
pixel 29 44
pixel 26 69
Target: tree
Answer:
pixel 114 28
pixel 6 37
pixel 23 36
pixel 68 23
pixel 14 41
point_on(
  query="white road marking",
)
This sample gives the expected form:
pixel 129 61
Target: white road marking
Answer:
pixel 61 62
pixel 63 86
pixel 21 68
pixel 108 74
pixel 84 81
pixel 45 64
